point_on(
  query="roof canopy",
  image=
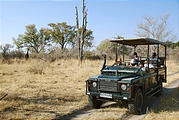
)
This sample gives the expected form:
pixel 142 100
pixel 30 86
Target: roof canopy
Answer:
pixel 138 41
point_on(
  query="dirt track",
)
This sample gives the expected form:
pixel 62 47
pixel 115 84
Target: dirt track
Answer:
pixel 80 114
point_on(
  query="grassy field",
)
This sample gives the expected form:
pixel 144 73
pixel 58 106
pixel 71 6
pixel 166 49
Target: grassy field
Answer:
pixel 42 90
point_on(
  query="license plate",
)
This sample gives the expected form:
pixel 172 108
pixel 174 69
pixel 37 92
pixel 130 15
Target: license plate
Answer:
pixel 105 95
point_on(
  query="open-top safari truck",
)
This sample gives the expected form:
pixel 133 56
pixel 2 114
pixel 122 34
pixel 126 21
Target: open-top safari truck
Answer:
pixel 128 84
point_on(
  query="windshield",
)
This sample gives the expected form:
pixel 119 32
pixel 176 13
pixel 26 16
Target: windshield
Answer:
pixel 119 71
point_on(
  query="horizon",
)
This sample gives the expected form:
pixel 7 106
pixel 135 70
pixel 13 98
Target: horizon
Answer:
pixel 106 19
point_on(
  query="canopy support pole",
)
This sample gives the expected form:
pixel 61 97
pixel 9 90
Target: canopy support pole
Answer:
pixel 148 58
pixel 117 52
pixel 165 64
pixel 123 53
pixel 157 60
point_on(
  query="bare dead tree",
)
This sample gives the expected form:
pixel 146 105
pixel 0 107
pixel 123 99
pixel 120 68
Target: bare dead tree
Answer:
pixel 81 37
pixel 78 35
pixel 155 28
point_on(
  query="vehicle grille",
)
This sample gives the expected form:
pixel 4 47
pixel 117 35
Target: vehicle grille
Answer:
pixel 108 85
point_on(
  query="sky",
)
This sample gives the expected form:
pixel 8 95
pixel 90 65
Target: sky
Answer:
pixel 107 18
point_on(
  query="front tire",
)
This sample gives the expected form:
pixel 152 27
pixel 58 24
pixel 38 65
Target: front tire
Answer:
pixel 93 102
pixel 137 106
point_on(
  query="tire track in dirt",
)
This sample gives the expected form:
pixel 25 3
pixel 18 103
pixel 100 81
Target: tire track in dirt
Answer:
pixel 3 94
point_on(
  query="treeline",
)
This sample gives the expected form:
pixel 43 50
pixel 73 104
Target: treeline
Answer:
pixel 58 39
pixel 52 50
pixel 60 35
pixel 172 45
pixel 61 40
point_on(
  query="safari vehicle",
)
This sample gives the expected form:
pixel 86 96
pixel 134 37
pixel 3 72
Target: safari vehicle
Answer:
pixel 128 84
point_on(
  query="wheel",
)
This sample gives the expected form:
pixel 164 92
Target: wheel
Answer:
pixel 94 103
pixel 123 103
pixel 137 106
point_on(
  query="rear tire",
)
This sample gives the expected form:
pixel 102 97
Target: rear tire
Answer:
pixel 93 102
pixel 137 106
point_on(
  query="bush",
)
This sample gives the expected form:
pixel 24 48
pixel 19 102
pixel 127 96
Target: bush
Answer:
pixel 92 56
pixel 16 54
pixel 37 67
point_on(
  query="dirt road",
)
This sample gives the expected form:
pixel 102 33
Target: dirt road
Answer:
pixel 83 113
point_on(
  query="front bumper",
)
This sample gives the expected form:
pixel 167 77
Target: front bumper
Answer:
pixel 109 95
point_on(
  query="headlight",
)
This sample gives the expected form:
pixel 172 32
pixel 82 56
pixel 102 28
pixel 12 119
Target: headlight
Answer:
pixel 123 87
pixel 94 84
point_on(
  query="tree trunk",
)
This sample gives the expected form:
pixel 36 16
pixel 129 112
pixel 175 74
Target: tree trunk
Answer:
pixel 83 31
pixel 78 36
pixel 81 38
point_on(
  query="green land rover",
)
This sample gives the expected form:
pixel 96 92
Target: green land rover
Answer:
pixel 126 83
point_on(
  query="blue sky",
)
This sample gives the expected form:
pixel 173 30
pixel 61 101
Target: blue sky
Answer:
pixel 107 18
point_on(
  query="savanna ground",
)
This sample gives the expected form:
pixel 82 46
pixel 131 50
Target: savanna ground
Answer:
pixel 42 90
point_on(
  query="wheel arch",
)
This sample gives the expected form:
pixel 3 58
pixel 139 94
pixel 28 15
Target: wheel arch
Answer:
pixel 136 87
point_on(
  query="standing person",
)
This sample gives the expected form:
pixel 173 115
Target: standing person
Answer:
pixel 27 54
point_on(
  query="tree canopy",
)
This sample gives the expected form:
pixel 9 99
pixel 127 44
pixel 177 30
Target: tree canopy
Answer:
pixel 62 33
pixel 32 38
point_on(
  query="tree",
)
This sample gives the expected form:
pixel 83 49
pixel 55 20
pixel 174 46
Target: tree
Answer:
pixel 88 41
pixel 37 40
pixel 155 28
pixel 81 37
pixel 5 50
pixel 172 45
pixel 106 47
pixel 109 48
pixel 19 41
pixel 62 33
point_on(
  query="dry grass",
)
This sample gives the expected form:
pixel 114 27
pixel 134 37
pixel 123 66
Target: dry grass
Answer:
pixel 41 90
pixel 168 108
pixel 38 90
pixel 172 67
pixel 39 68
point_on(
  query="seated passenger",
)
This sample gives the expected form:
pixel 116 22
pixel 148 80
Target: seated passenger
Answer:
pixel 136 60
pixel 153 60
pixel 118 62
pixel 143 68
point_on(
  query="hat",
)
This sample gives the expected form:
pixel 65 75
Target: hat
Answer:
pixel 135 53
pixel 154 54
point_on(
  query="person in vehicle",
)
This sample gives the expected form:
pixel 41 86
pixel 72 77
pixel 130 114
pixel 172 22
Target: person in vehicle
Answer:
pixel 143 68
pixel 118 62
pixel 136 60
pixel 153 60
